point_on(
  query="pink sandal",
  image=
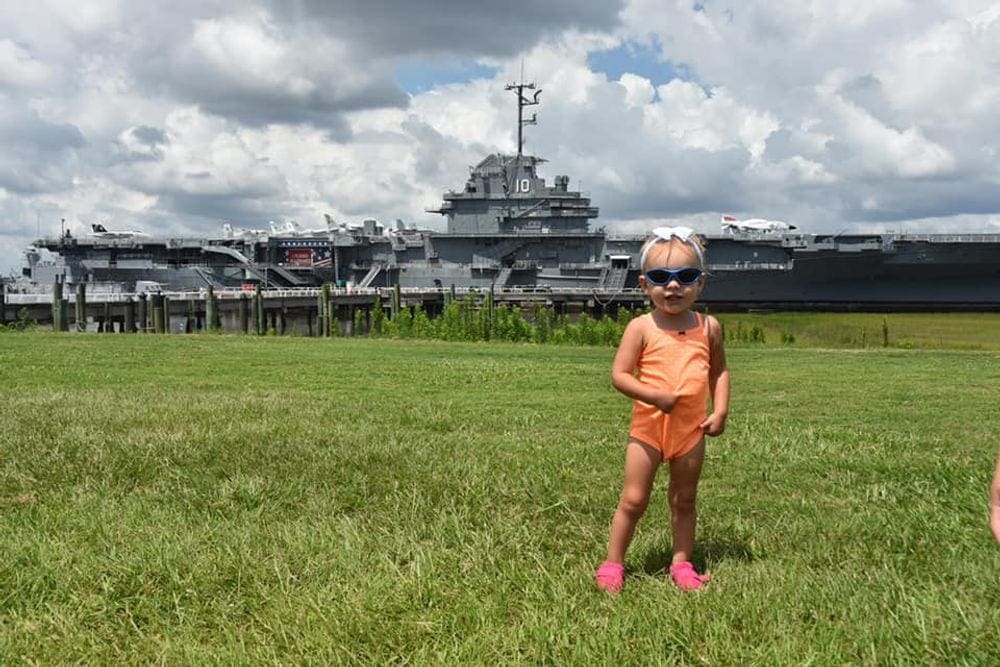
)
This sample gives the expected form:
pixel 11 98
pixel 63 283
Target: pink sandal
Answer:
pixel 686 578
pixel 610 576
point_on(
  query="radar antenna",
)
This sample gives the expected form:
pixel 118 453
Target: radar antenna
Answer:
pixel 524 101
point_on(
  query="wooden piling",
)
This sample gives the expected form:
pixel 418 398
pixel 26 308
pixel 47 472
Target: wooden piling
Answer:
pixel 58 310
pixel 327 311
pixel 189 321
pixel 258 312
pixel 3 305
pixel 158 325
pixel 109 325
pixel 129 323
pixel 56 295
pixel 396 300
pixel 211 316
pixel 244 313
pixel 64 314
pixel 261 311
pixel 143 315
pixel 254 315
pixel 320 310
pixel 80 310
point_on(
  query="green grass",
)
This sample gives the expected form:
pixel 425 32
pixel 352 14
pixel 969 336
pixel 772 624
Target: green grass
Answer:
pixel 230 499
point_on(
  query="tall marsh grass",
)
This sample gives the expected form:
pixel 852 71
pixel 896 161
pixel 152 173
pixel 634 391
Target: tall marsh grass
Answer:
pixel 471 321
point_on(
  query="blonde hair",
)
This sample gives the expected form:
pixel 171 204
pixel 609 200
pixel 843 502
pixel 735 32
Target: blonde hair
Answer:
pixel 692 240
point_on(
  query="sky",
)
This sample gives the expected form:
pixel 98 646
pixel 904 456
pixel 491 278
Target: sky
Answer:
pixel 172 118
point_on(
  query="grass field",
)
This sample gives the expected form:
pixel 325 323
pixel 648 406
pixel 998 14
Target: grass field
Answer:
pixel 219 499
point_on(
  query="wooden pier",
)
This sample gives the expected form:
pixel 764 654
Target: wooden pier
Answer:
pixel 315 311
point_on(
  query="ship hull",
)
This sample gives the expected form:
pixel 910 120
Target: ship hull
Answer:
pixel 777 271
pixel 903 274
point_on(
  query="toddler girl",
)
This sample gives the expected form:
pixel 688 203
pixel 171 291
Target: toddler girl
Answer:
pixel 669 361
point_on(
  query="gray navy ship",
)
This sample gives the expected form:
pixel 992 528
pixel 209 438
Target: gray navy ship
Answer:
pixel 509 229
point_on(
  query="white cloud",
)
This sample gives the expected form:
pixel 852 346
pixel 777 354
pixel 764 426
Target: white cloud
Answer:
pixel 18 69
pixel 713 122
pixel 639 91
pixel 250 54
pixel 792 171
pixel 946 77
pixel 883 152
pixel 198 166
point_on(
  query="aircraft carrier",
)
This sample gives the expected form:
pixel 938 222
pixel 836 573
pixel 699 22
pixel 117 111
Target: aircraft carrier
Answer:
pixel 507 228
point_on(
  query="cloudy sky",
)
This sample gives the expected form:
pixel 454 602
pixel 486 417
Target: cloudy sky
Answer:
pixel 174 117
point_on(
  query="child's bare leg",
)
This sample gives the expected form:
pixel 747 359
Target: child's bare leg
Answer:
pixel 684 474
pixel 641 462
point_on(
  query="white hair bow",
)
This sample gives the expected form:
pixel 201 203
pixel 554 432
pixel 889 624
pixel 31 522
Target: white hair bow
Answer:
pixel 682 234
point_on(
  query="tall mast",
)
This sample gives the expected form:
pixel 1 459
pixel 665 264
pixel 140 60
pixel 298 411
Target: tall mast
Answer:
pixel 523 101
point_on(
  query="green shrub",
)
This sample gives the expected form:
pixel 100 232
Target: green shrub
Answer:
pixel 23 322
pixel 378 318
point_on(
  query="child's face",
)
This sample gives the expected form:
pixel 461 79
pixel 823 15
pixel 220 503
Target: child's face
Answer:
pixel 672 298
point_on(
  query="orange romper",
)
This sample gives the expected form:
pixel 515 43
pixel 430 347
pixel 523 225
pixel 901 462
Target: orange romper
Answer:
pixel 676 360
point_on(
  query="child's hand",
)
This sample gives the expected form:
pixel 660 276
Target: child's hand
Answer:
pixel 665 401
pixel 995 509
pixel 715 424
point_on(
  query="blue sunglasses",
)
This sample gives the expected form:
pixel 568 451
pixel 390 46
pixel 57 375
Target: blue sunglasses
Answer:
pixel 689 275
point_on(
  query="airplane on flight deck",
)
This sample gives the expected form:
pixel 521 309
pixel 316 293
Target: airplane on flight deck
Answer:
pixel 230 232
pixel 733 224
pixel 101 232
pixel 292 228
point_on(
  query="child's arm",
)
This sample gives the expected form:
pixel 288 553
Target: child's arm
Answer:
pixel 623 370
pixel 995 503
pixel 718 380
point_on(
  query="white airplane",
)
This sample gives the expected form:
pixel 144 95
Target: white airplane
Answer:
pixel 733 224
pixel 101 232
pixel 315 231
pixel 343 227
pixel 231 232
pixel 292 228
